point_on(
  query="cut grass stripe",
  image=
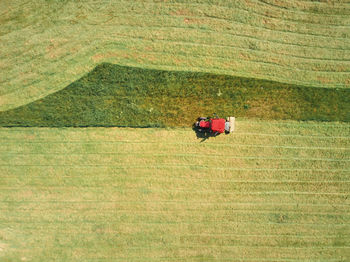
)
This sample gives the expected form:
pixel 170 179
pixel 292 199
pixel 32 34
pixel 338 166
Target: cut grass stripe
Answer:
pixel 256 24
pixel 182 203
pixel 195 258
pixel 220 246
pixel 295 11
pixel 229 33
pixel 305 21
pixel 236 46
pixel 143 39
pixel 214 222
pixel 259 3
pixel 242 181
pixel 185 166
pixel 218 192
pixel 166 212
pixel 63 233
pixel 196 155
pixel 78 203
pixel 182 143
pixel 306 6
pixel 224 236
pixel 256 57
pixel 187 143
pixel 37 185
pixel 248 26
pixel 216 211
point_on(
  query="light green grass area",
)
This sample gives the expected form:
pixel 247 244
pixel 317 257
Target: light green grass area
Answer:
pixel 271 191
pixel 46 45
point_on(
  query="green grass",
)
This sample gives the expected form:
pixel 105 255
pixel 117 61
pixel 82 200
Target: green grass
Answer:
pixel 113 95
pixel 46 45
pixel 271 191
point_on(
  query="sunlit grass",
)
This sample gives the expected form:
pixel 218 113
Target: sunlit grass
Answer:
pixel 270 191
pixel 46 45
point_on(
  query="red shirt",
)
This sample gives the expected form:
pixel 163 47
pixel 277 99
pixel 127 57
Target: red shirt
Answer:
pixel 218 125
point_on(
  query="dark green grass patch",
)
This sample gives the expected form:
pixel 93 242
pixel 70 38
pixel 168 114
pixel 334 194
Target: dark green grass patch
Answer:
pixel 113 95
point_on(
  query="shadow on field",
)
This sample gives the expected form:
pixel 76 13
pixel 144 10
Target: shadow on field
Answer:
pixel 203 135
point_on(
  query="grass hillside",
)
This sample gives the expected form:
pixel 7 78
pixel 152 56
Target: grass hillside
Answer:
pixel 46 45
pixel 113 95
pixel 271 191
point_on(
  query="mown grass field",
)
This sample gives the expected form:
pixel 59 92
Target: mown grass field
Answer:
pixel 271 191
pixel 46 45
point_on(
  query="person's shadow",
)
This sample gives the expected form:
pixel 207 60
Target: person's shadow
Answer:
pixel 203 135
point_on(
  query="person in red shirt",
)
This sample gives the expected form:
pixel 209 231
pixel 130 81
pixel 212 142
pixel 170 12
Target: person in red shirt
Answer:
pixel 214 126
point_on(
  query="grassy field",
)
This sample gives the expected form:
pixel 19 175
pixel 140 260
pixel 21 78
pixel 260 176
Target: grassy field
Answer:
pixel 272 191
pixel 46 45
pixel 276 191
pixel 113 95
